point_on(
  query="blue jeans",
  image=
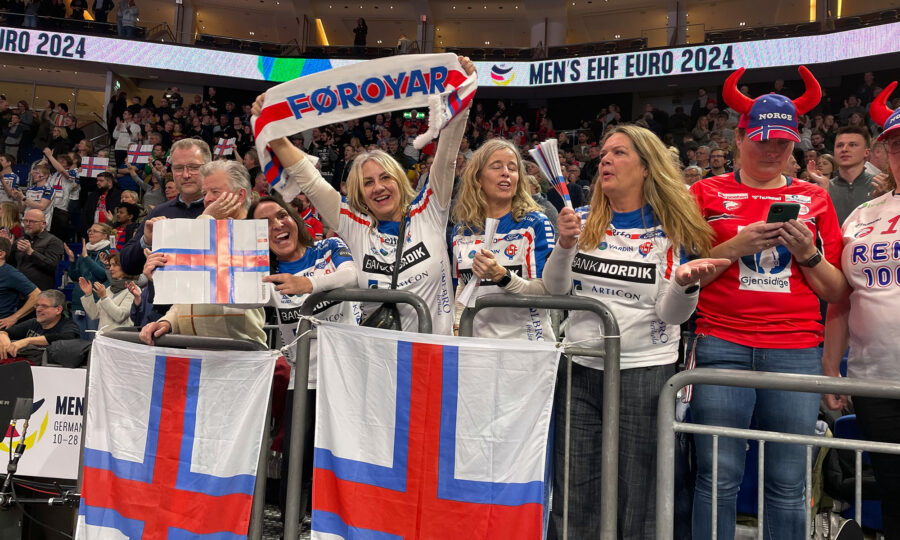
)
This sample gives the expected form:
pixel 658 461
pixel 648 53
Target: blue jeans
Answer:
pixel 788 412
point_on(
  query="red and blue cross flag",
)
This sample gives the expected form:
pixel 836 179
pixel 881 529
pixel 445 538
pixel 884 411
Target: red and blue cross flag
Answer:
pixel 421 436
pixel 172 442
pixel 211 261
pixel 92 166
pixel 224 147
pixel 139 153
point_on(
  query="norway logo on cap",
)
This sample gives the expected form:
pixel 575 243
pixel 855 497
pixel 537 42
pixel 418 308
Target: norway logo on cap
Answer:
pixel 771 116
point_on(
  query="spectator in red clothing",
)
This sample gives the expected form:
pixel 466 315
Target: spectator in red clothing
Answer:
pixel 308 213
pixel 126 222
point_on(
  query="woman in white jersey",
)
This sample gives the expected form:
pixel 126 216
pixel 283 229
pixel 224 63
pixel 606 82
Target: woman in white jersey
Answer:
pixel 301 266
pixel 494 186
pixel 871 263
pixel 368 219
pixel 631 255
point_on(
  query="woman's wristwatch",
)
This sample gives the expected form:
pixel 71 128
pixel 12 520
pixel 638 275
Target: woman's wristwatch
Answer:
pixel 812 261
pixel 504 280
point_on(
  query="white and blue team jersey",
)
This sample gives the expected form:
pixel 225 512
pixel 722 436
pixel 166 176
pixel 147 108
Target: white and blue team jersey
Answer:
pixel 424 265
pixel 63 186
pixel 320 259
pixel 38 193
pixel 522 248
pixel 11 181
pixel 627 272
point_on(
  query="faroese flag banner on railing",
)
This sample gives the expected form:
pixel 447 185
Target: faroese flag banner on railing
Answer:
pixel 423 436
pixel 172 441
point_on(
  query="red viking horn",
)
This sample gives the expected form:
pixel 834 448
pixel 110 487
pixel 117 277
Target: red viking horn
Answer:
pixel 879 111
pixel 811 96
pixel 733 97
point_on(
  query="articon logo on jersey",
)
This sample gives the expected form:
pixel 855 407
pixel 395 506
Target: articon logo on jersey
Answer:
pixel 733 195
pixel 634 272
pixel 411 257
pixel 798 198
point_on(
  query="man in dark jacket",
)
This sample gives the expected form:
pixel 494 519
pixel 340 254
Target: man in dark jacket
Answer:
pixel 105 199
pixel 37 253
pixel 27 340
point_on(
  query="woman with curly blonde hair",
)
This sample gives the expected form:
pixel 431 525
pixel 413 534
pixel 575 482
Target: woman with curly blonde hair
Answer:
pixel 494 186
pixel 631 254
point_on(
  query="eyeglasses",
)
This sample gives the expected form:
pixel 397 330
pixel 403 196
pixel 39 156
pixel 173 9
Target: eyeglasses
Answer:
pixel 193 168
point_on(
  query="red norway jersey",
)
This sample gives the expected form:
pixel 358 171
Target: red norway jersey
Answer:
pixel 763 299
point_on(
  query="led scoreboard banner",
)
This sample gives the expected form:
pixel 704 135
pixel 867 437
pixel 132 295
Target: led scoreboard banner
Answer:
pixel 808 50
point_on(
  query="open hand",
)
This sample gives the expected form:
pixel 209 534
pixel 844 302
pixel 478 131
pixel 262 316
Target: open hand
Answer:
pixel 135 291
pixel 86 286
pixel 226 206
pixel 698 269
pixel 100 289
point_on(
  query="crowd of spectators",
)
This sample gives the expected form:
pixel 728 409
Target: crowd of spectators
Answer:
pixel 81 213
pixel 75 249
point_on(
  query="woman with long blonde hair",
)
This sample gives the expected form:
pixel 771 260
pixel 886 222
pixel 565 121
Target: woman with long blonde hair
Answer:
pixel 494 186
pixel 380 203
pixel 632 254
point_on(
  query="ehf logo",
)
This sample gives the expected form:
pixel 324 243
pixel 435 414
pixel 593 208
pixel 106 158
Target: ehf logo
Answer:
pixel 511 251
pixel 502 74
pixel 645 248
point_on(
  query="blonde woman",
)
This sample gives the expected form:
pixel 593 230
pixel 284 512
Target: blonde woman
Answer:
pixel 494 186
pixel 378 198
pixel 632 255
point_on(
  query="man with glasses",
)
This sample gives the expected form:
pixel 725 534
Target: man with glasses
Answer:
pixel 716 163
pixel 37 253
pixel 27 340
pixel 188 155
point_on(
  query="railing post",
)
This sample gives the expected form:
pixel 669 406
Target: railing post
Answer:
pixel 292 509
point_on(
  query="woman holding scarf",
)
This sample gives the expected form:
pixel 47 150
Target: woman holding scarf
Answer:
pixel 379 202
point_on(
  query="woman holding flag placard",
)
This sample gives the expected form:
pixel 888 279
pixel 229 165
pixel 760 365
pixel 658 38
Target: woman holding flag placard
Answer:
pixel 380 203
pixel 632 255
pixel 502 240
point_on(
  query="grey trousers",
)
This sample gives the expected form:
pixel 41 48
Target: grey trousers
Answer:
pixel 637 452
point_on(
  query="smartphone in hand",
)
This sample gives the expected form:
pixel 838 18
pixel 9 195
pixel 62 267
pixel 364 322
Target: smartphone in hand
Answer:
pixel 781 212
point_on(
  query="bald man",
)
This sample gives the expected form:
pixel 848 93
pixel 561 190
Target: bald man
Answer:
pixel 37 253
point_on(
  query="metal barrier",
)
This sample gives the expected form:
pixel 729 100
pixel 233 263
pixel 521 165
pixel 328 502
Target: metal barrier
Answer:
pixel 301 378
pixel 667 426
pixel 131 335
pixel 611 388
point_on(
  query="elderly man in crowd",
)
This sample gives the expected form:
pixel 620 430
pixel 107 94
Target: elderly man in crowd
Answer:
pixel 27 340
pixel 37 253
pixel 188 156
pixel 226 185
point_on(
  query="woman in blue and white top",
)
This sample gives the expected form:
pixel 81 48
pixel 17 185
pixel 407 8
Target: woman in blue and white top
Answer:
pixel 379 196
pixel 301 266
pixel 631 255
pixel 512 261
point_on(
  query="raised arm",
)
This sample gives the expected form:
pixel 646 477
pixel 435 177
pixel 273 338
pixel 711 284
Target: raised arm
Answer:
pixel 443 170
pixel 297 167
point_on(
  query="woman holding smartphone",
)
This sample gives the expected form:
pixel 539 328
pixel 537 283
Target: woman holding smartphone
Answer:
pixel 762 311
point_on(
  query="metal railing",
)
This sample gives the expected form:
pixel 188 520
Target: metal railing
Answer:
pixel 301 378
pixel 667 427
pixel 611 388
pixel 131 335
